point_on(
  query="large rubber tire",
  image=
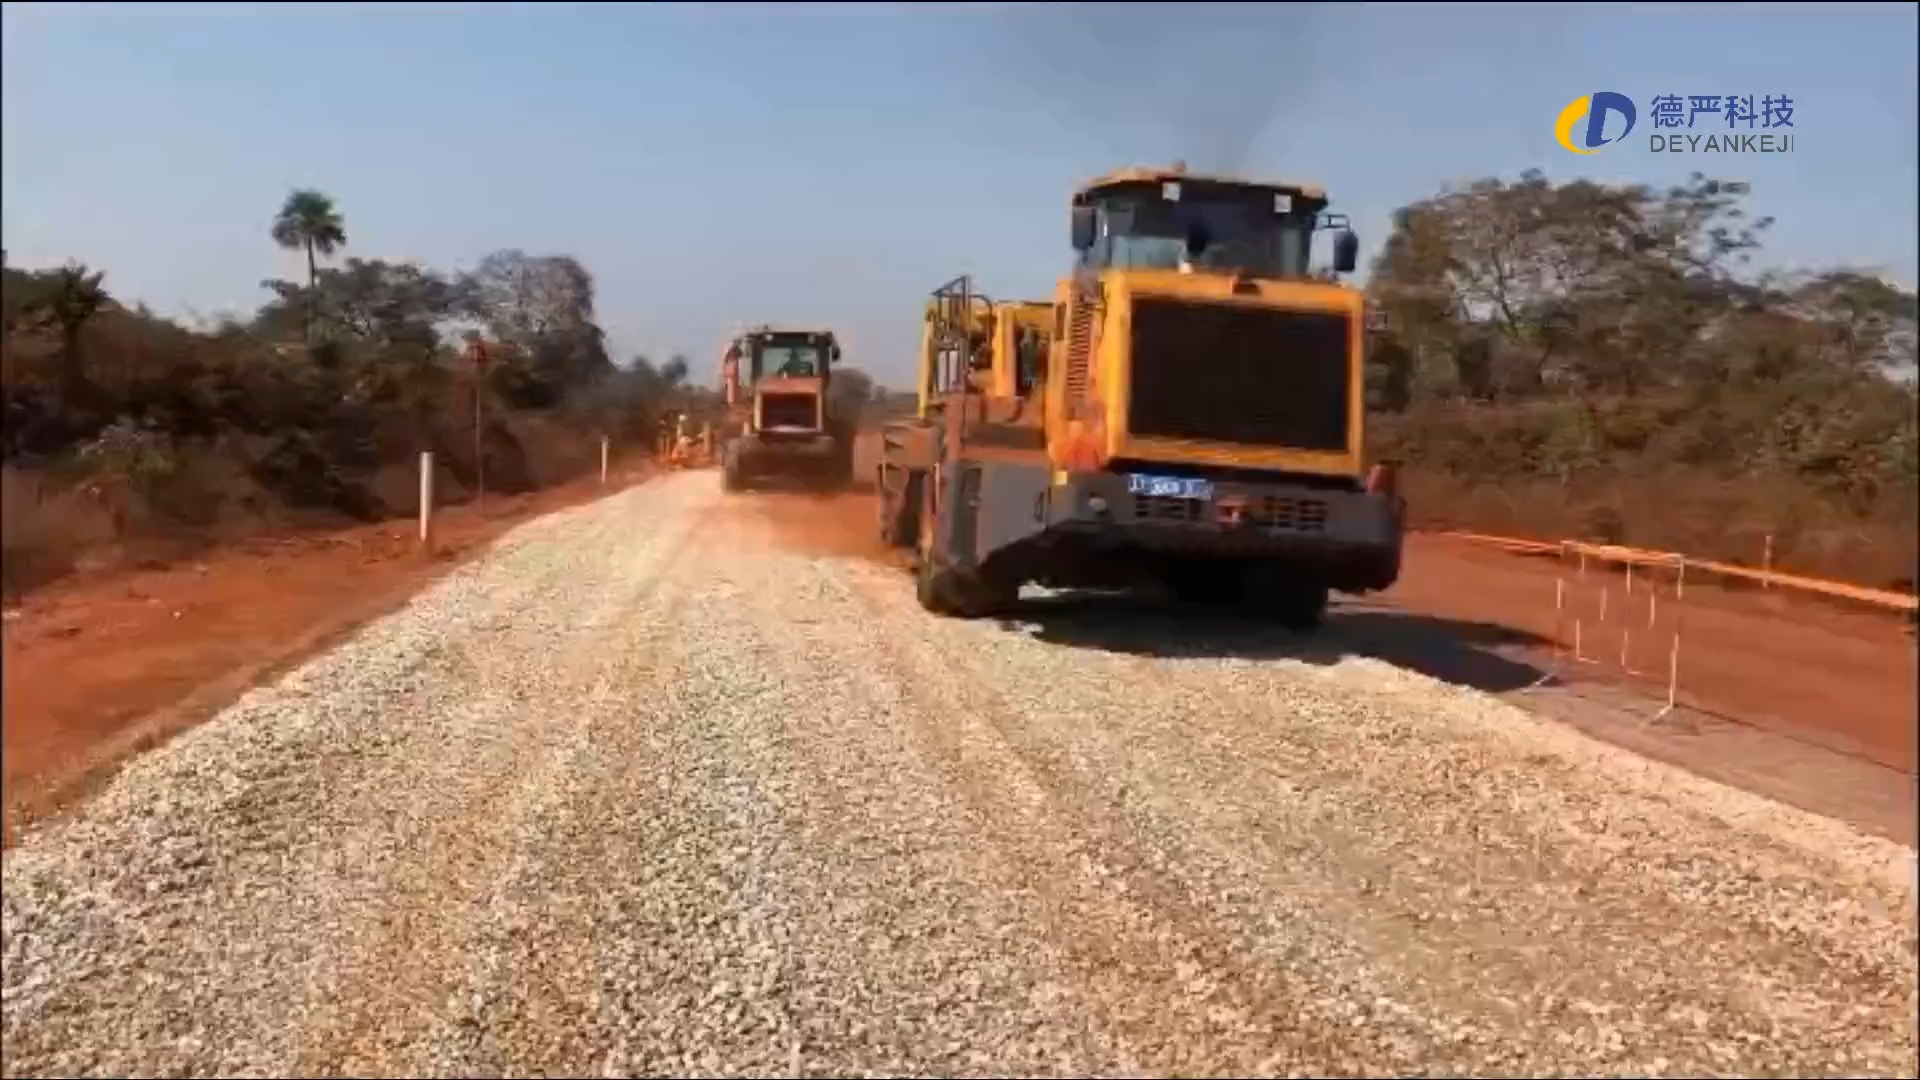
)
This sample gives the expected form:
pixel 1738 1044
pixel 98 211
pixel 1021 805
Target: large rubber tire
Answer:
pixel 888 517
pixel 731 478
pixel 945 591
pixel 958 595
pixel 911 517
pixel 1204 584
pixel 930 585
pixel 843 463
pixel 1299 606
pixel 899 519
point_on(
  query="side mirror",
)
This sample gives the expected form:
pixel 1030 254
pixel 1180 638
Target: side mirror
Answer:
pixel 1346 252
pixel 1082 228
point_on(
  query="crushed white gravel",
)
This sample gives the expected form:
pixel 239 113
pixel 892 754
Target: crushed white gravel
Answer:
pixel 646 791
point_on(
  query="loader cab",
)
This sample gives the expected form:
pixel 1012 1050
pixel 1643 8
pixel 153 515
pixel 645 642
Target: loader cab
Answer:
pixel 787 374
pixel 790 354
pixel 1169 220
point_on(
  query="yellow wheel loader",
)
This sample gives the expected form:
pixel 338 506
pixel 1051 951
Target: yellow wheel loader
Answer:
pixel 1186 413
pixel 782 421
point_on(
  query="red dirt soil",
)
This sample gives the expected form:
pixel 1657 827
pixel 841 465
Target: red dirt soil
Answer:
pixel 1837 678
pixel 1782 694
pixel 101 666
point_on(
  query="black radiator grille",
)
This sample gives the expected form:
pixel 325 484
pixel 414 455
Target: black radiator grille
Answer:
pixel 1255 376
pixel 1284 512
pixel 788 410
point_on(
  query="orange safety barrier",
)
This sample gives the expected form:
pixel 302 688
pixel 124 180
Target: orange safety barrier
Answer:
pixel 1620 624
pixel 1883 598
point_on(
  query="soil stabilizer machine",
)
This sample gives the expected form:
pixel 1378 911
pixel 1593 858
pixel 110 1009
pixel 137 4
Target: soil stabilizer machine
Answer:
pixel 1186 413
pixel 782 421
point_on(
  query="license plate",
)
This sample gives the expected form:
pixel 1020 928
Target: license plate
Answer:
pixel 1170 487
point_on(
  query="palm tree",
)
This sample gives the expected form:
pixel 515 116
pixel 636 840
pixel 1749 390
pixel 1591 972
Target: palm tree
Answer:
pixel 308 219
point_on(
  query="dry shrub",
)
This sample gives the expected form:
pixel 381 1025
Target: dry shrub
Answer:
pixel 548 452
pixel 1683 510
pixel 127 496
pixel 45 527
pixel 397 487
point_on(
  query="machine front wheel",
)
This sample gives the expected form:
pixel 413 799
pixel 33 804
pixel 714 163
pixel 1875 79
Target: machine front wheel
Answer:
pixel 1300 606
pixel 946 591
pixel 731 476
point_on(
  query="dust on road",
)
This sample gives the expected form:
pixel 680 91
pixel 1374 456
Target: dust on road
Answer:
pixel 656 788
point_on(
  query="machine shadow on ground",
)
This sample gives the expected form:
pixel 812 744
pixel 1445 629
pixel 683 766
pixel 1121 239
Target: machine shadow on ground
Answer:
pixel 1454 651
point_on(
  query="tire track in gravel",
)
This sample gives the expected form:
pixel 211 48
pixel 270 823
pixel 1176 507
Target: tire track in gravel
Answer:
pixel 1201 1000
pixel 647 792
pixel 853 933
pixel 275 856
pixel 1485 925
pixel 472 828
pixel 274 843
pixel 1530 942
pixel 1684 930
pixel 766 933
pixel 1154 974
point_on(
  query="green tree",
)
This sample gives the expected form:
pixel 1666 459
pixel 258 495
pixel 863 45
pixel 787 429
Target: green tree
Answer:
pixel 540 308
pixel 371 301
pixel 73 297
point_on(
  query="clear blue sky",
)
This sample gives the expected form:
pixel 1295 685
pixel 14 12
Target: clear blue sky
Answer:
pixel 744 162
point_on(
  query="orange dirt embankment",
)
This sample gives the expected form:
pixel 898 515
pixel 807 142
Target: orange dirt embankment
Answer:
pixel 1794 664
pixel 98 667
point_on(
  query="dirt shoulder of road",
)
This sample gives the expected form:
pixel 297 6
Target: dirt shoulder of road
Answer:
pixel 1841 678
pixel 1785 695
pixel 99 667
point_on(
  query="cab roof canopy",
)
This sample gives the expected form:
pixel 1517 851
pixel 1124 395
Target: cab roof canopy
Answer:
pixel 1149 175
pixel 764 330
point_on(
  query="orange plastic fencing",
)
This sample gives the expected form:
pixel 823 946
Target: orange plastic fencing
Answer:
pixel 1881 598
pixel 1628 622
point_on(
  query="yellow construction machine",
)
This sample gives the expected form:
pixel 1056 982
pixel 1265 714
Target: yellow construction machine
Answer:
pixel 782 421
pixel 1186 412
pixel 686 442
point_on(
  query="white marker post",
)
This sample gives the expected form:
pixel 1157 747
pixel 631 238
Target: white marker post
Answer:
pixel 426 499
pixel 603 458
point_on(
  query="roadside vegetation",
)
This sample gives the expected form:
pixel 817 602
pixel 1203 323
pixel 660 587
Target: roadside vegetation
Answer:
pixel 1602 361
pixel 130 436
pixel 1551 359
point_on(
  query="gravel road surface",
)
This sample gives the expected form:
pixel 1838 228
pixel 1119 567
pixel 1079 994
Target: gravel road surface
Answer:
pixel 651 789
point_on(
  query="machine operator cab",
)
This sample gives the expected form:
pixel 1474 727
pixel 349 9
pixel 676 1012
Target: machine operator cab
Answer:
pixel 787 354
pixel 1167 219
pixel 792 356
pixel 786 372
